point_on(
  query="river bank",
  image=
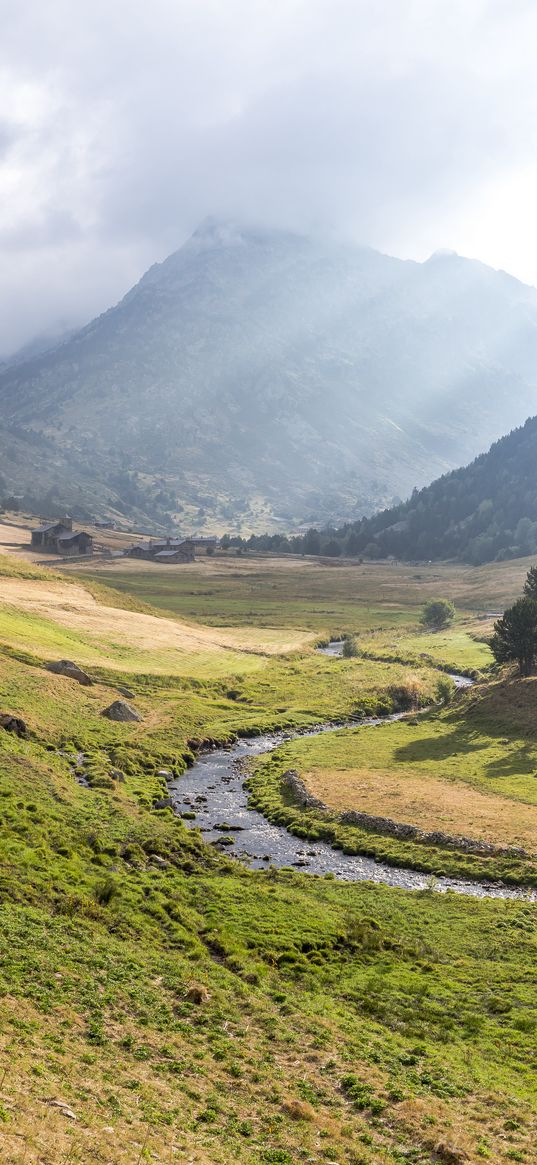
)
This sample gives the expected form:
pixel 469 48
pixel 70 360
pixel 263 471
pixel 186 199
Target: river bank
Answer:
pixel 213 797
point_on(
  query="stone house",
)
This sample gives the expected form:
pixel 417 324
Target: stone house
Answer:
pixel 184 552
pixel 60 538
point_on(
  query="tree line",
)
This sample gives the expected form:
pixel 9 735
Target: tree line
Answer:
pixel 485 512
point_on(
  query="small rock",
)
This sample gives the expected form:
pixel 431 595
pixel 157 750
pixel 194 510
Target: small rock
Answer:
pixel 66 667
pixel 64 1109
pixel 165 773
pixel 121 711
pixel 13 724
pixel 163 803
pixel 156 860
pixel 126 692
pixel 117 775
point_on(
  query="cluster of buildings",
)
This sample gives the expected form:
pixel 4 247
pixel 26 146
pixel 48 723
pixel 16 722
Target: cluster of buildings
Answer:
pixel 169 550
pixel 60 538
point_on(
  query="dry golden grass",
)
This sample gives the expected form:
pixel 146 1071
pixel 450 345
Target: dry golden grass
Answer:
pixel 73 607
pixel 427 802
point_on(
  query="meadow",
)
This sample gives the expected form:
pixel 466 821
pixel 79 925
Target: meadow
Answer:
pixel 162 1002
pixel 325 596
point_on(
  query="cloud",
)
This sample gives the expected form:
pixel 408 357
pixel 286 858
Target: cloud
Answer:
pixel 405 124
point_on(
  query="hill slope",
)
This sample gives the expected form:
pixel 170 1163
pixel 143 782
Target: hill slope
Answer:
pixel 484 512
pixel 261 373
pixel 161 1002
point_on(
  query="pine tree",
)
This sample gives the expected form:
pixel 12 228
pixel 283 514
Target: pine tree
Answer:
pixel 515 636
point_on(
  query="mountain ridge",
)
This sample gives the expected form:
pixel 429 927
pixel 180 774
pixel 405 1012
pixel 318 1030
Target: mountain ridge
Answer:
pixel 483 512
pixel 257 375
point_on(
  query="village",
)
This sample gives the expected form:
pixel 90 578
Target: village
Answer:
pixel 59 538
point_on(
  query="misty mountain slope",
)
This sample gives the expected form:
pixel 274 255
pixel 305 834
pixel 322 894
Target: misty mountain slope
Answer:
pixel 484 512
pixel 308 379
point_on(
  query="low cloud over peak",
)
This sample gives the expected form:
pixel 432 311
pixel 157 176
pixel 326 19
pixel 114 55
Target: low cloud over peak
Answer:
pixel 406 126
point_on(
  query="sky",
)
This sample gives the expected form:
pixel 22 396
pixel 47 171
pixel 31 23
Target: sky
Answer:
pixel 406 125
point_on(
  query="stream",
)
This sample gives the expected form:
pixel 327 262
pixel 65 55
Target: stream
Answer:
pixel 213 790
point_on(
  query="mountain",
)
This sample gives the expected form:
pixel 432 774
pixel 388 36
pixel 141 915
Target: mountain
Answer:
pixel 258 376
pixel 484 512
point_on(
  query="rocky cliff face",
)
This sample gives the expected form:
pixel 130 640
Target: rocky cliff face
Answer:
pixel 256 373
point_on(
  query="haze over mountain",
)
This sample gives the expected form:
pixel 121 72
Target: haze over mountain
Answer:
pixel 484 512
pixel 260 374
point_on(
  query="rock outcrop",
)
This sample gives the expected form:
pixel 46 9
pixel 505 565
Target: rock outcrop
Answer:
pixel 66 667
pixel 13 724
pixel 121 711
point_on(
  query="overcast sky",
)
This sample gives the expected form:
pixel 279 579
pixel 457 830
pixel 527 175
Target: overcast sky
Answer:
pixel 409 125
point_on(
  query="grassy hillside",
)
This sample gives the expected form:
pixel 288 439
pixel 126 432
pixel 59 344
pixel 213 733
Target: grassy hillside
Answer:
pixel 183 1008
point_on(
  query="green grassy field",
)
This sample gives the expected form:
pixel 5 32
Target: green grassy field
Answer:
pixel 325 597
pixel 460 647
pixel 191 1006
pixel 187 1009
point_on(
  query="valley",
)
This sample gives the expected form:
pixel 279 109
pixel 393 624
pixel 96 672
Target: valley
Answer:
pixel 183 1006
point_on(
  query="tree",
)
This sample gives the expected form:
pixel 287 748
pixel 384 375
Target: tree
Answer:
pixel 437 613
pixel 311 543
pixel 530 585
pixel 332 549
pixel 515 636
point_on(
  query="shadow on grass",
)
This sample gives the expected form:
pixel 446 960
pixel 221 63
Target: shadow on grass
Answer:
pixel 464 740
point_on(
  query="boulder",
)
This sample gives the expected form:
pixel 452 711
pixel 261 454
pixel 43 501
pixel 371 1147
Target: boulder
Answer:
pixel 66 667
pixel 13 724
pixel 119 710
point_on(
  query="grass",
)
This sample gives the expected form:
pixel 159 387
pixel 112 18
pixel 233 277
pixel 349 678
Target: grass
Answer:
pixel 256 1017
pixel 49 614
pixel 188 1009
pixel 325 597
pixel 460 648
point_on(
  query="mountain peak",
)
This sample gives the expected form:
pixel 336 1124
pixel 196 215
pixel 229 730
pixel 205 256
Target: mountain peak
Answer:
pixel 257 367
pixel 443 253
pixel 213 231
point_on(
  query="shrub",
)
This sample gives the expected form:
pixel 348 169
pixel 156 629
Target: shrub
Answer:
pixel 445 690
pixel 350 647
pixel 438 613
pixel 105 891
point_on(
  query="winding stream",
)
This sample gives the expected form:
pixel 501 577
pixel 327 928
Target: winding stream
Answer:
pixel 213 790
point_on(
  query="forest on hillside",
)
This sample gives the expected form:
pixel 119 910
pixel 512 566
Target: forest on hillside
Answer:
pixel 484 512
